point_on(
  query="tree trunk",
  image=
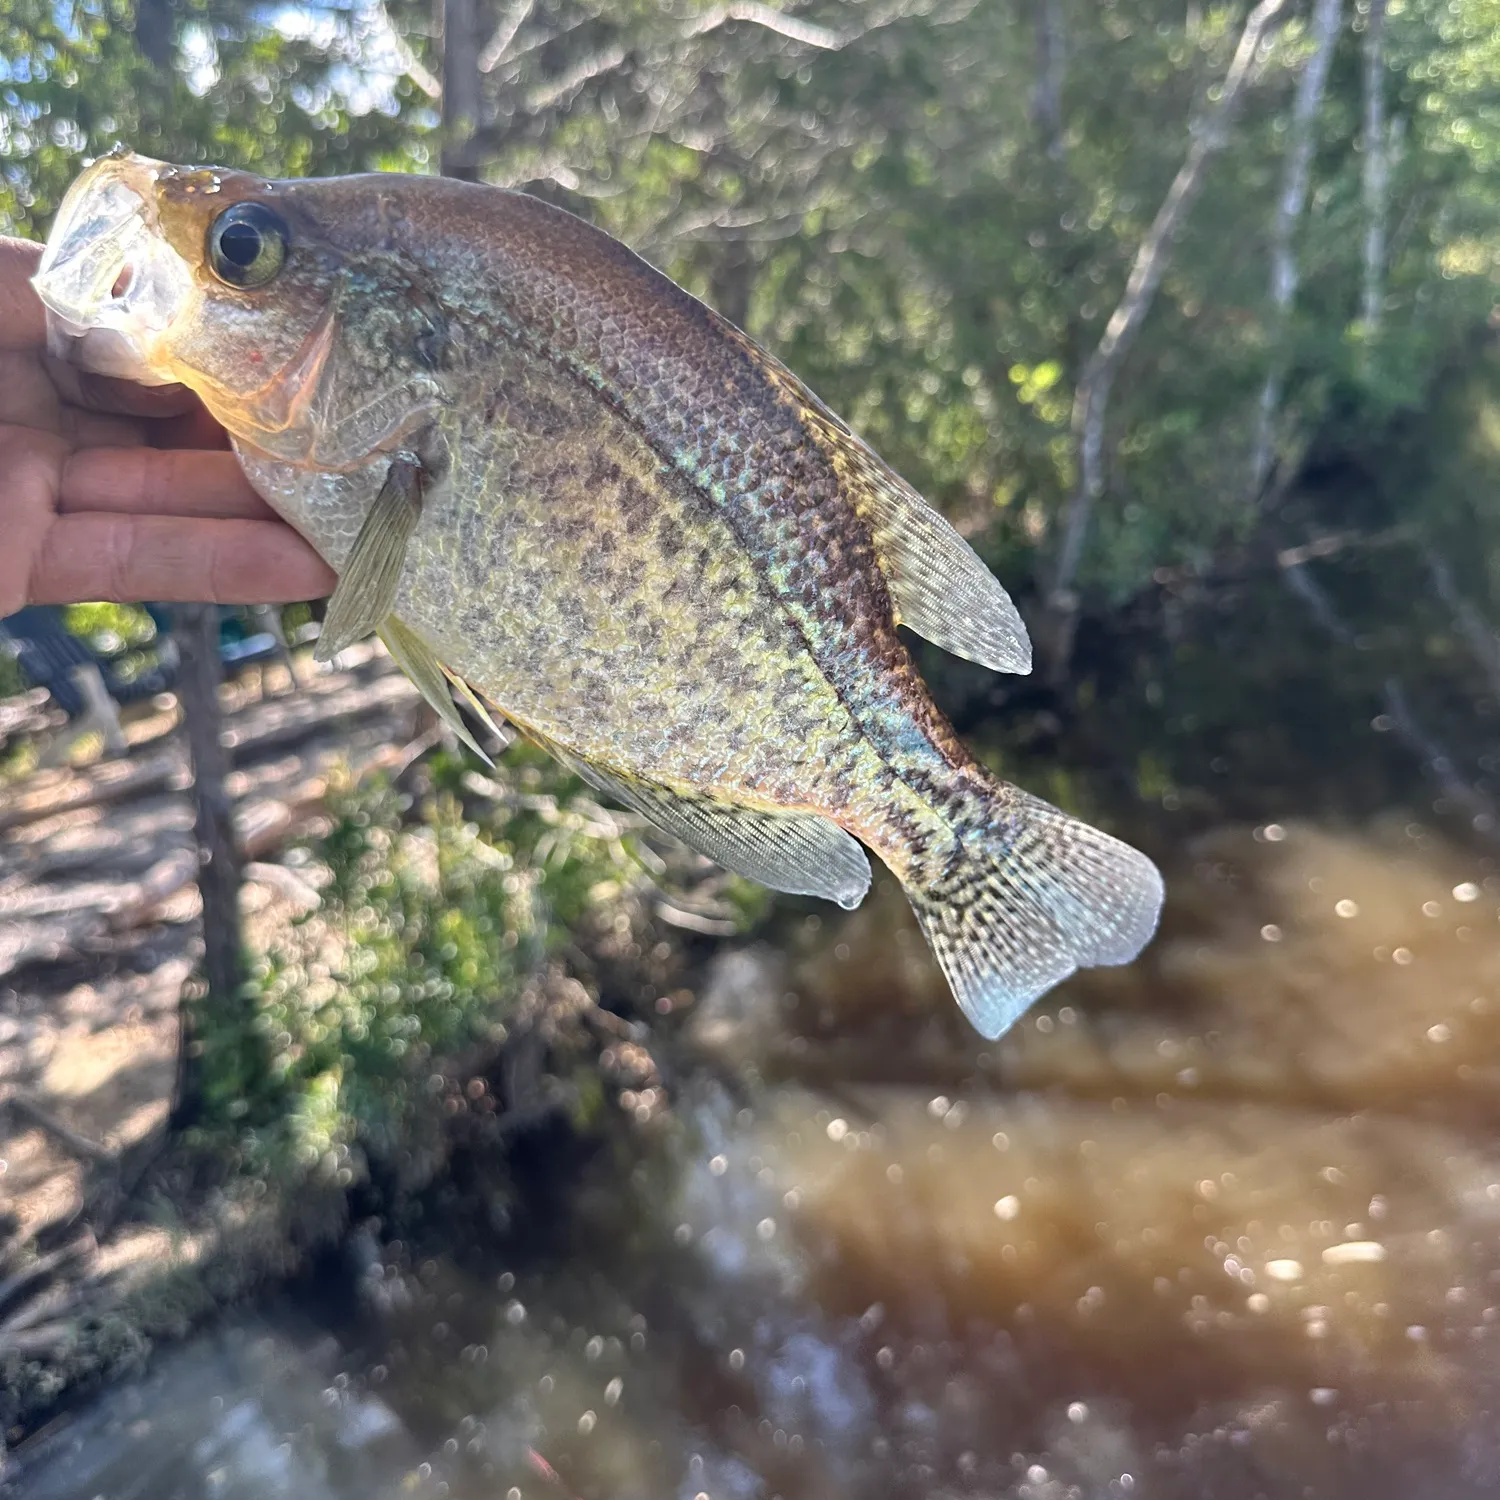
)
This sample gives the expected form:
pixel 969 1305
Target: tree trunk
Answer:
pixel 1051 67
pixel 460 155
pixel 1091 398
pixel 1285 274
pixel 199 676
pixel 1376 181
pixel 730 282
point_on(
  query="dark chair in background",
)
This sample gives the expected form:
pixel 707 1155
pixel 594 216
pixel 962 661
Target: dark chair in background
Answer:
pixel 90 687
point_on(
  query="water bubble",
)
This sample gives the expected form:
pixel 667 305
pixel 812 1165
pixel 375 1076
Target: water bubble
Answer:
pixel 1431 909
pixel 1468 891
pixel 1271 933
pixel 736 1359
pixel 837 1130
pixel 1439 1033
pixel 1347 908
pixel 1401 956
pixel 594 1348
pixel 1037 1474
pixel 766 1229
pixel 893 1173
pixel 1258 1302
pixel 515 1314
pixel 1077 1412
pixel 1354 1252
pixel 586 1422
pixel 1274 833
pixel 1284 1270
pixel 1008 1207
pixel 719 1165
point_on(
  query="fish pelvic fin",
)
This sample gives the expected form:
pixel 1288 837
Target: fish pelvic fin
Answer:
pixel 799 853
pixel 417 659
pixel 1017 905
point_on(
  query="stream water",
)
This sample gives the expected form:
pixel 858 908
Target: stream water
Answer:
pixel 1225 1224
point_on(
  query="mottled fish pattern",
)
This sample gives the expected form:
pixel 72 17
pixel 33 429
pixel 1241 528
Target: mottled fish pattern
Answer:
pixel 644 541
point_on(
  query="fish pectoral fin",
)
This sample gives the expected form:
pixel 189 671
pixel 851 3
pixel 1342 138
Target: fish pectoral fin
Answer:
pixel 938 585
pixel 415 657
pixel 366 590
pixel 799 853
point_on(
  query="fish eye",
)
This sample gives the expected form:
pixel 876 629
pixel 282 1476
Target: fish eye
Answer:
pixel 247 245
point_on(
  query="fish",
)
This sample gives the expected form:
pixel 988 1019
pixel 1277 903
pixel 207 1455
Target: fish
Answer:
pixel 556 483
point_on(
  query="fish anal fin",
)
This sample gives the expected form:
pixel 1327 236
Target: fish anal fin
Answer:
pixel 417 659
pixel 476 705
pixel 800 853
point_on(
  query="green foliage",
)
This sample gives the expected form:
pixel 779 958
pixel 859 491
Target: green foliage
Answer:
pixel 431 922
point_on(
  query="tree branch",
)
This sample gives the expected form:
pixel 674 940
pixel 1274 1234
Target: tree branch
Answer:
pixel 1091 399
pixel 795 30
pixel 1478 634
pixel 1285 274
pixel 1376 175
pixel 1435 759
pixel 606 60
pixel 505 33
pixel 411 65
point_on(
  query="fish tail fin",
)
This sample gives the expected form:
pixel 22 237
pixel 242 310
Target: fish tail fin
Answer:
pixel 1022 897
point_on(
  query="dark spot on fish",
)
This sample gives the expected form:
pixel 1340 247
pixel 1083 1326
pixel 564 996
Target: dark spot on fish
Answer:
pixel 431 347
pixel 667 538
pixel 636 505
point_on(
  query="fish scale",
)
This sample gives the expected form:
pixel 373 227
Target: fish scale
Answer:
pixel 547 474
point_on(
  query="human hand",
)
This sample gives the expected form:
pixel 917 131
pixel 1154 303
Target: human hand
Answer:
pixel 111 491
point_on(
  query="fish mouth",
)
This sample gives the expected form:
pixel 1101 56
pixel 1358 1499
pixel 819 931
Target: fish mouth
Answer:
pixel 108 278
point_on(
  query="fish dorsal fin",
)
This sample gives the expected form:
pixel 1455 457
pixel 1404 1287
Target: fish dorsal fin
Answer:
pixel 413 655
pixel 799 853
pixel 938 585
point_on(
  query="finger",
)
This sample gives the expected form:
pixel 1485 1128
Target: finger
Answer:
pixel 130 558
pixel 23 322
pixel 159 481
pixel 193 429
pixel 86 429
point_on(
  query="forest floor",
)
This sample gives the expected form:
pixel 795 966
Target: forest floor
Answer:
pixel 99 935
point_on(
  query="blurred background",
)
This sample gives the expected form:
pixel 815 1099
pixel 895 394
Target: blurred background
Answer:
pixel 491 1145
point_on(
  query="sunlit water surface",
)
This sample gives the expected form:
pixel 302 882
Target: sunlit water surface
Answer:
pixel 1226 1224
